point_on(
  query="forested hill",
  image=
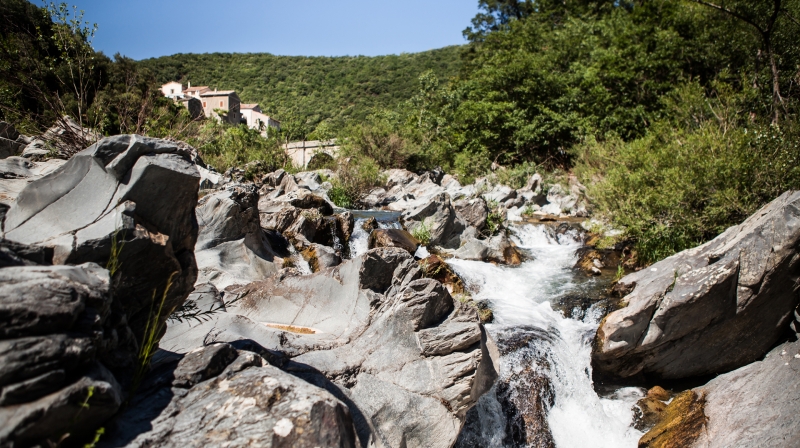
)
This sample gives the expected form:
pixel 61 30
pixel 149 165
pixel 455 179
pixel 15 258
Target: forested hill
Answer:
pixel 312 89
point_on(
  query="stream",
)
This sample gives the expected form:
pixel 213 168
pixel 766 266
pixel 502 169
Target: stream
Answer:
pixel 544 396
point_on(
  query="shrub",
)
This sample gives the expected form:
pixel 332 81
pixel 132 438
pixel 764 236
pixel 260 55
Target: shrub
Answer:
pixel 687 180
pixel 355 177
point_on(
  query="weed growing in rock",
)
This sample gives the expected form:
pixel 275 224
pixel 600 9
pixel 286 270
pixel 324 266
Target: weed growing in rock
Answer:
pixel 150 337
pixel 422 232
pixel 117 242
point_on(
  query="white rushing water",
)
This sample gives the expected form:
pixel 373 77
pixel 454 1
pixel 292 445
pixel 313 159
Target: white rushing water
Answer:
pixel 520 297
pixel 359 240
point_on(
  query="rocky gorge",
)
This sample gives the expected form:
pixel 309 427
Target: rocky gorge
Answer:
pixel 150 301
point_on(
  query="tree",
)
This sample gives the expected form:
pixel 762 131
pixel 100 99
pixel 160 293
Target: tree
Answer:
pixel 762 17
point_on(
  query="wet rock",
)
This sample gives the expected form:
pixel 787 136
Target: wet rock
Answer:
pixel 525 413
pixel 712 308
pixel 321 257
pixel 498 249
pixel 231 247
pixel 682 423
pixel 345 224
pixel 473 212
pixel 648 412
pixel 393 238
pixel 436 268
pixel 370 224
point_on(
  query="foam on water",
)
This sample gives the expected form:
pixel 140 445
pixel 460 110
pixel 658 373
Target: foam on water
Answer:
pixel 521 296
pixel 359 240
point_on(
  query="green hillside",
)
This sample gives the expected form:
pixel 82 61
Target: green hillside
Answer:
pixel 313 89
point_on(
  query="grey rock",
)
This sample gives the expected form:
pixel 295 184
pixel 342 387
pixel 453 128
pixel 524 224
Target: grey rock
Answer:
pixel 130 196
pixel 36 150
pixel 755 405
pixel 36 301
pixel 449 338
pixel 257 406
pixel 408 363
pixel 203 363
pixel 709 309
pixel 274 178
pixel 231 247
pixel 473 212
pixel 308 179
pixel 534 184
pixel 8 131
pixel 321 257
pixel 15 168
pixel 77 409
pixel 497 249
pixel 441 216
pixel 393 238
pixel 378 267
pixel 16 254
pixel 500 194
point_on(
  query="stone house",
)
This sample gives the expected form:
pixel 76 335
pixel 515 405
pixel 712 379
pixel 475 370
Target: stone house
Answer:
pixel 223 100
pixel 172 90
pixel 256 119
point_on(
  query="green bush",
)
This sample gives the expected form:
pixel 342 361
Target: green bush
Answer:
pixel 689 179
pixel 355 177
pixel 223 146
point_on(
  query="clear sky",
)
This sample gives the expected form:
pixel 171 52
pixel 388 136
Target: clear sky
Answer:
pixel 149 28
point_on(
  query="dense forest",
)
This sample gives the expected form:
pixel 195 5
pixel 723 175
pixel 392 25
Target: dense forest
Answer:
pixel 679 116
pixel 333 90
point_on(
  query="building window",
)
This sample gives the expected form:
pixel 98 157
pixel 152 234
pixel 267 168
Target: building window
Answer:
pixel 171 90
pixel 220 104
pixel 204 104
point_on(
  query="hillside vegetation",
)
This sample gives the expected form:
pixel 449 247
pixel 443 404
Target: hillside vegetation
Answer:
pixel 307 91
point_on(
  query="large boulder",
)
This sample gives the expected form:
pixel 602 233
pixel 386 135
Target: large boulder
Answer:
pixel 231 247
pixel 441 219
pixel 709 309
pixel 473 212
pixel 128 203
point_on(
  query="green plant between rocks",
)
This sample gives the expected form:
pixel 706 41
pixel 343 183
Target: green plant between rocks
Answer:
pixel 422 232
pixel 152 330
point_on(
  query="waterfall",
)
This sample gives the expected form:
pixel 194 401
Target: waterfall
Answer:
pixel 544 396
pixel 359 240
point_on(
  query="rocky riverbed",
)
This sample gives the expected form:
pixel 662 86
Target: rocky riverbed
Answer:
pixel 150 301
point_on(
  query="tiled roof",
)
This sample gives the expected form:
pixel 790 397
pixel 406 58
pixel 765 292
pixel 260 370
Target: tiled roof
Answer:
pixel 217 93
pixel 248 106
pixel 196 89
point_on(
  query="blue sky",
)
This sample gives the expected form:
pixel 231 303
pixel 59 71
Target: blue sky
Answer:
pixel 149 28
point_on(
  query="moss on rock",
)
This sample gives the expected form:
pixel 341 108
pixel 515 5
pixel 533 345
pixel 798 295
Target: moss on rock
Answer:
pixel 681 424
